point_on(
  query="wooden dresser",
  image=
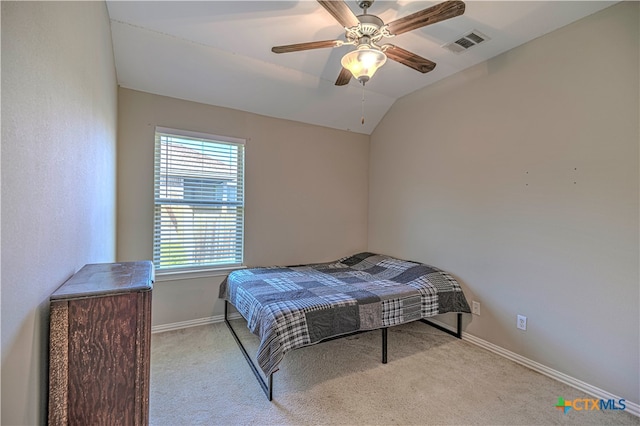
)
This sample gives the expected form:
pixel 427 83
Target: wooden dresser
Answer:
pixel 100 336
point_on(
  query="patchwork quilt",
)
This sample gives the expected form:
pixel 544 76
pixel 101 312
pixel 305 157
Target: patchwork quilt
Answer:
pixel 296 306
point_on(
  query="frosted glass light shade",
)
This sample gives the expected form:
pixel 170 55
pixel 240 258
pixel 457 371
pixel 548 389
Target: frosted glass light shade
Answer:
pixel 364 62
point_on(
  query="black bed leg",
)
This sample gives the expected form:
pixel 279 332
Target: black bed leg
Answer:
pixel 457 333
pixel 384 345
pixel 267 387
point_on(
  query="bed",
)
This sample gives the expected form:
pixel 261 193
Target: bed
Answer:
pixel 296 306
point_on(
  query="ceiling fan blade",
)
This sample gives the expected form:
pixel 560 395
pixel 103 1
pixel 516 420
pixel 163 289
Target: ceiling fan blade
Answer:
pixel 306 46
pixel 431 15
pixel 341 12
pixel 409 59
pixel 344 77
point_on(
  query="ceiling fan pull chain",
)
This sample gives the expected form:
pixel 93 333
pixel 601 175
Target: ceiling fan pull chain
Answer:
pixel 363 104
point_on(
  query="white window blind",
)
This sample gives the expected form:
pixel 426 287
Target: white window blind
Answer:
pixel 199 200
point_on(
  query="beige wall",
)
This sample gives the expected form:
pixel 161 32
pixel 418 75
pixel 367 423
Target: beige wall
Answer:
pixel 306 192
pixel 59 100
pixel 520 176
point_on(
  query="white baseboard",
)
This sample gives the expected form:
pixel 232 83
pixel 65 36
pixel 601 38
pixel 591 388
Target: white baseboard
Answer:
pixel 191 323
pixel 632 408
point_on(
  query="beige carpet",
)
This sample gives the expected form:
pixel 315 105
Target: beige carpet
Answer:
pixel 199 376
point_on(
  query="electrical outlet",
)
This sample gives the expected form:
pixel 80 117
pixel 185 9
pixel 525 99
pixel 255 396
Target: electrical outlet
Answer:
pixel 475 308
pixel 522 322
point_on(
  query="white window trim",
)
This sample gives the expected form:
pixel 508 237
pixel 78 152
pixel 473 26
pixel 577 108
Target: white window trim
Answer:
pixel 198 135
pixel 187 274
pixel 182 273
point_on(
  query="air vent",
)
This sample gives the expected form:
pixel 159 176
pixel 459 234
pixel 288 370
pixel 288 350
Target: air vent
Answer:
pixel 466 42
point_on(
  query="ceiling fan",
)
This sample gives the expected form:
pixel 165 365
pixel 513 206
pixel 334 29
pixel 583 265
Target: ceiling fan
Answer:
pixel 366 31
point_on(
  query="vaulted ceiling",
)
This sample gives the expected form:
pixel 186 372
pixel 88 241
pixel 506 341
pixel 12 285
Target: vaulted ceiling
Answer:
pixel 219 52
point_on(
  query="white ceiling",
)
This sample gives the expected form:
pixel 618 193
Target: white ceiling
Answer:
pixel 219 52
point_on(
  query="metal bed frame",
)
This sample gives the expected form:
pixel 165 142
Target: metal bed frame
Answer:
pixel 267 386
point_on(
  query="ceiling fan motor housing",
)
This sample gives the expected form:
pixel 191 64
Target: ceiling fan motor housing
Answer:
pixel 370 24
pixel 367 31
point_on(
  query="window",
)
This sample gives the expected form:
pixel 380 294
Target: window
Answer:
pixel 199 200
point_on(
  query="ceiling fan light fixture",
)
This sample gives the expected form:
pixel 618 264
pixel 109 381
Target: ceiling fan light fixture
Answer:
pixel 364 62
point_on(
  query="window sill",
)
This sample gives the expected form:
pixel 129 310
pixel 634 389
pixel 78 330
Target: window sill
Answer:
pixel 194 273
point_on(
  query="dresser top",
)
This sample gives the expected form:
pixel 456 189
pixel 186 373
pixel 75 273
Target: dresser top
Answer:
pixel 106 278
